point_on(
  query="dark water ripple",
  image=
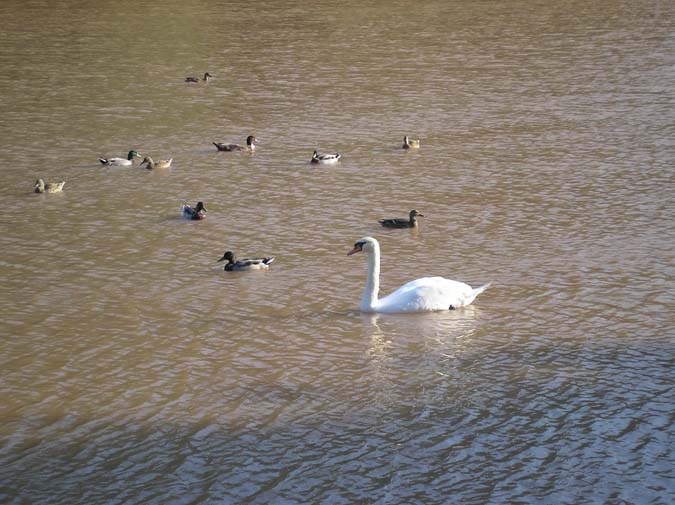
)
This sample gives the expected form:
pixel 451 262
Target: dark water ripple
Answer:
pixel 550 423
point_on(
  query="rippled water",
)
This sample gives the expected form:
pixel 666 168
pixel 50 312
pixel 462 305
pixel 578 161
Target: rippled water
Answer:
pixel 134 370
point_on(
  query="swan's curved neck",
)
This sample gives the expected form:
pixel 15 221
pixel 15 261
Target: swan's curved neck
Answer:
pixel 369 300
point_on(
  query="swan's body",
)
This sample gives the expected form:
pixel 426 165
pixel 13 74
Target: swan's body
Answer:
pixel 250 145
pixel 196 79
pixel 421 295
pixel 49 187
pixel 409 143
pixel 402 222
pixel 245 263
pixel 196 213
pixel 151 164
pixel 120 162
pixel 325 159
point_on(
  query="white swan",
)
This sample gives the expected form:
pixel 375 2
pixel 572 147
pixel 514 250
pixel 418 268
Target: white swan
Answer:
pixel 421 295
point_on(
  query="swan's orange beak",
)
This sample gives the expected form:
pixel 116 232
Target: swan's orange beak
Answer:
pixel 357 248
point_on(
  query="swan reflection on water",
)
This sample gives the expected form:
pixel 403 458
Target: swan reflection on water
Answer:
pixel 420 358
pixel 448 331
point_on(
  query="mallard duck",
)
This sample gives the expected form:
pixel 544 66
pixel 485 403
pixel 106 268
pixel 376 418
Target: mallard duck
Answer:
pixel 402 222
pixel 325 159
pixel 250 145
pixel 207 76
pixel 151 164
pixel 409 143
pixel 50 187
pixel 245 264
pixel 196 213
pixel 120 162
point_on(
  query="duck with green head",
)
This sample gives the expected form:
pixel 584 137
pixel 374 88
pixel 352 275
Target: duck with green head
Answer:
pixel 120 162
pixel 196 213
pixel 245 263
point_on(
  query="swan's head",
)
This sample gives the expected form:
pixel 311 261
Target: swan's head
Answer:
pixel 367 244
pixel 229 256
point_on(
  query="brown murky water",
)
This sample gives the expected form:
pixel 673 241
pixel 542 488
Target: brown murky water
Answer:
pixel 134 370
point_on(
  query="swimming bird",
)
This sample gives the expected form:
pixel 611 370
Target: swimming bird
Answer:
pixel 120 162
pixel 250 145
pixel 421 295
pixel 246 263
pixel 151 164
pixel 325 159
pixel 196 79
pixel 402 222
pixel 409 143
pixel 196 213
pixel 49 187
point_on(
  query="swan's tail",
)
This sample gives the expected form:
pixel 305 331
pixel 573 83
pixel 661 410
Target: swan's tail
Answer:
pixel 475 293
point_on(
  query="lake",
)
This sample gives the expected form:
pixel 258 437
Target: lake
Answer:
pixel 136 370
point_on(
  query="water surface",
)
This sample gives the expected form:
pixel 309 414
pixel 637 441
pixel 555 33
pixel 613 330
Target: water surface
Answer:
pixel 134 370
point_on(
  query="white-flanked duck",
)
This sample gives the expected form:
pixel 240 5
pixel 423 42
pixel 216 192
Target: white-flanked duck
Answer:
pixel 409 143
pixel 245 263
pixel 250 145
pixel 48 187
pixel 196 213
pixel 421 295
pixel 207 76
pixel 402 222
pixel 120 162
pixel 325 159
pixel 151 164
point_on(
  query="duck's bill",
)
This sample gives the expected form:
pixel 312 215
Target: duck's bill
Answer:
pixel 222 259
pixel 357 248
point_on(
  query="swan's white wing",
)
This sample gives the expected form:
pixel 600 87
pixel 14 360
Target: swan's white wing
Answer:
pixel 427 294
